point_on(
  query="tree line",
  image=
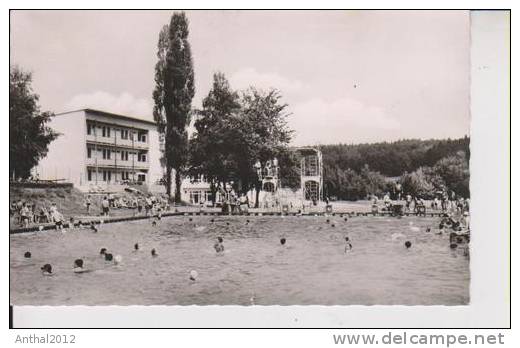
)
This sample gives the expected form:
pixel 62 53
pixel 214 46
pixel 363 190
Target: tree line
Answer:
pixel 422 167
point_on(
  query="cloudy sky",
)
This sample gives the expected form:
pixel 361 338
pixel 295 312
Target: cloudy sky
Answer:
pixel 348 76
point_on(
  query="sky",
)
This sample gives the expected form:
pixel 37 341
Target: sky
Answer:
pixel 347 76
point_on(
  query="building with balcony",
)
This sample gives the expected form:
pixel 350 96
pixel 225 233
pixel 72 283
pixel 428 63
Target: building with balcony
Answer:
pixel 98 149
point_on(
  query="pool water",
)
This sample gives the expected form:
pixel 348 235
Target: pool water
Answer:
pixel 255 269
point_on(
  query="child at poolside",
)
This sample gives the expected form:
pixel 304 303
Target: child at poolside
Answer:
pixel 105 205
pixel 24 215
pixel 88 202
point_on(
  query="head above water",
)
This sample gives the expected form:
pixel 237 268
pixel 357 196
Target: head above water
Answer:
pixel 453 246
pixel 47 268
pixel 220 239
pixel 282 241
pixel 347 239
pixel 136 246
pixel 27 254
pixel 78 263
pixel 108 257
pixel 407 244
pixel 103 251
pixel 154 253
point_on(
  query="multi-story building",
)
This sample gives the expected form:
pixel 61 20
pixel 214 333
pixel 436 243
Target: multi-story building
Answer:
pixel 98 149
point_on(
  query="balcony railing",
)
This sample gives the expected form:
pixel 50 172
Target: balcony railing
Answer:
pixel 126 143
pixel 112 163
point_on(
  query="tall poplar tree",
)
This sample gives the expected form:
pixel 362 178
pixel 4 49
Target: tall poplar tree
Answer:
pixel 174 91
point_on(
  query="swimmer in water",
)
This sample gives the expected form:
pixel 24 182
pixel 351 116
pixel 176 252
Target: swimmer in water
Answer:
pixel 282 241
pixel 103 251
pixel 78 263
pixel 453 246
pixel 93 227
pixel 408 244
pixel 219 247
pixel 348 246
pixel 136 246
pixel 46 269
pixel 27 255
pixel 154 253
pixel 193 275
pixel 108 257
pixel 428 229
pixel 154 223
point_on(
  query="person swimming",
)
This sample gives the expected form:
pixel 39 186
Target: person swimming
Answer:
pixel 108 257
pixel 103 251
pixel 136 246
pixel 283 241
pixel 93 227
pixel 46 269
pixel 27 255
pixel 78 263
pixel 154 223
pixel 118 259
pixel 348 246
pixel 408 244
pixel 193 275
pixel 219 247
pixel 154 252
pixel 212 220
pixel 428 229
pixel 453 246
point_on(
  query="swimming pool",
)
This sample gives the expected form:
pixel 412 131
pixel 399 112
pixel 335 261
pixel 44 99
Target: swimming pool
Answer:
pixel 311 268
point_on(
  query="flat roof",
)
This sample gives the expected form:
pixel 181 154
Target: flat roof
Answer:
pixel 110 114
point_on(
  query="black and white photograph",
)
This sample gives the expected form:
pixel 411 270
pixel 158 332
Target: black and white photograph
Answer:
pixel 240 158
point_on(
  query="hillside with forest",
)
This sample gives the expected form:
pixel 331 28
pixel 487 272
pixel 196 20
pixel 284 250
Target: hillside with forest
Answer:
pixel 423 167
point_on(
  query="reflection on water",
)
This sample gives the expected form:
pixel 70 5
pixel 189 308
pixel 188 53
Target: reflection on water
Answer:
pixel 311 268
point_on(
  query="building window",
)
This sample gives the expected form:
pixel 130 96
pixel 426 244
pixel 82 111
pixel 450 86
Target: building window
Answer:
pixel 89 152
pixel 141 137
pixel 89 175
pixel 107 175
pixel 89 129
pixel 141 177
pixel 124 134
pixel 141 157
pixel 107 154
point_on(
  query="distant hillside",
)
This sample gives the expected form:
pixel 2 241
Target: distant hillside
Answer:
pixel 392 159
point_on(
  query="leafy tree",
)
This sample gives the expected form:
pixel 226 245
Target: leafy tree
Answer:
pixel 29 137
pixel 210 144
pixel 418 183
pixel 454 171
pixel 174 91
pixel 265 135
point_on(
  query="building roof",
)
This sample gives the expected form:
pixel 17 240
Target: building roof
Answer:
pixel 110 114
